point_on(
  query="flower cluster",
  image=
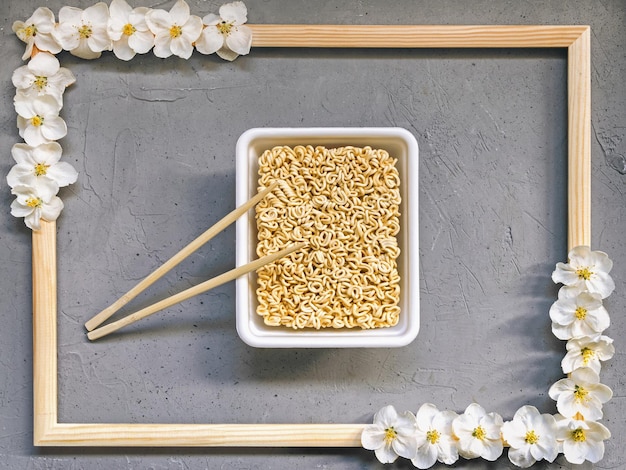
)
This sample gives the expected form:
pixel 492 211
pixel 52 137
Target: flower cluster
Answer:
pixel 128 31
pixel 431 435
pixel 579 317
pixel 38 173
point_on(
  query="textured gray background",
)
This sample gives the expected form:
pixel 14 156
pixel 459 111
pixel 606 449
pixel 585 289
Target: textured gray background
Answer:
pixel 154 144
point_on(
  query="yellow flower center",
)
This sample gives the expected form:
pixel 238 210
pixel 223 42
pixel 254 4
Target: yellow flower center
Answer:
pixel 390 434
pixel 479 433
pixel 224 28
pixel 531 437
pixel 580 394
pixel 587 354
pixel 29 31
pixel 175 31
pixel 584 273
pixel 85 31
pixel 41 169
pixel 581 313
pixel 128 29
pixel 34 202
pixel 36 120
pixel 579 435
pixel 40 82
pixel 433 436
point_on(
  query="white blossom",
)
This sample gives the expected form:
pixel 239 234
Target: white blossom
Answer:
pixel 581 393
pixel 37 163
pixel 587 351
pixel 578 314
pixel 43 75
pixel 581 439
pixel 35 203
pixel 38 119
pixel 435 441
pixel 586 270
pixel 175 31
pixel 226 34
pixel 391 435
pixel 478 433
pixel 84 32
pixel 531 437
pixel 128 30
pixel 37 31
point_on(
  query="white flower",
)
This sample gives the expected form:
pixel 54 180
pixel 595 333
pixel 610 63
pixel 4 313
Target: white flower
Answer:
pixel 587 351
pixel 434 437
pixel 586 270
pixel 38 163
pixel 37 31
pixel 478 433
pixel 84 32
pixel 582 439
pixel 578 314
pixel 226 34
pixel 391 435
pixel 175 31
pixel 35 203
pixel 38 119
pixel 129 31
pixel 43 75
pixel 531 437
pixel 581 393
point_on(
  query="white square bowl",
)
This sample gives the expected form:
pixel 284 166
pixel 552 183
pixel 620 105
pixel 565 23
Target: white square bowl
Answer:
pixel 401 145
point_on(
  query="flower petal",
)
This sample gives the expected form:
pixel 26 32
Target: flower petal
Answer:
pixel 192 29
pixel 44 64
pixel 226 54
pixel 83 51
pixel 235 12
pixel 63 173
pixel 211 19
pixel 240 40
pixel 159 22
pixel 66 35
pixel 181 47
pixel 373 436
pixel 119 10
pixel 52 209
pixel 601 283
pixel 425 415
pixel 521 457
pixel 210 41
pixel 20 175
pixel 71 16
pixel 386 454
pixel 97 15
pixel 141 41
pixel 33 219
pixel 426 456
pixel 54 128
pixel 180 12
pixel 43 17
pixel 22 78
pixel 122 50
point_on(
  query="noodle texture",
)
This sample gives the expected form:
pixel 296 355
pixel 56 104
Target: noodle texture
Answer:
pixel 345 203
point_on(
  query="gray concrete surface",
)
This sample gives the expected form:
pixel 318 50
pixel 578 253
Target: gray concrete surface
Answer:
pixel 154 144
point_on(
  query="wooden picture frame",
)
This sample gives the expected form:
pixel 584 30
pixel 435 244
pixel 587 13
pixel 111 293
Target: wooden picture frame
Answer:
pixel 48 431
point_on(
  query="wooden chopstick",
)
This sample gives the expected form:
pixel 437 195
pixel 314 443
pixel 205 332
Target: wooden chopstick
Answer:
pixel 192 291
pixel 101 317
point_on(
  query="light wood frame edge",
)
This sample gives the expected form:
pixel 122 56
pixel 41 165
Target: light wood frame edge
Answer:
pixel 49 432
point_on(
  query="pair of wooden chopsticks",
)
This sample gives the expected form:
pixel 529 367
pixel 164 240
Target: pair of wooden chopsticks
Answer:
pixel 93 324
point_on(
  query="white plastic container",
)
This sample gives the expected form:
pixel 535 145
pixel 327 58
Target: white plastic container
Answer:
pixel 400 144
